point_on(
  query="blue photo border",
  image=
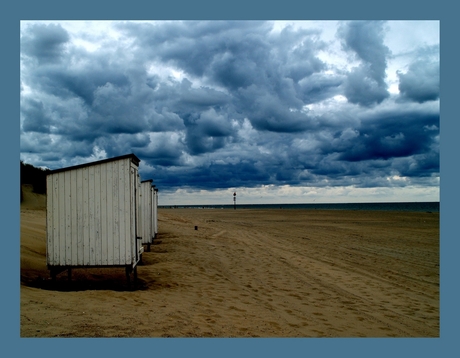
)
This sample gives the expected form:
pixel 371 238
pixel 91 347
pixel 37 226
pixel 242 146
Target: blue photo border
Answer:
pixel 285 10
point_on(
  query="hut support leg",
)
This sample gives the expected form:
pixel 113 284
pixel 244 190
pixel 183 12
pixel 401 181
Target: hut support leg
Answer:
pixel 129 269
pixel 54 271
pixel 128 275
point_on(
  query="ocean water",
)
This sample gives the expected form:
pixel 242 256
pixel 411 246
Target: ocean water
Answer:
pixel 409 206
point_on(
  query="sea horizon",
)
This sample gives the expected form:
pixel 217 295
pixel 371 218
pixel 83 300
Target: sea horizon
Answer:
pixel 426 206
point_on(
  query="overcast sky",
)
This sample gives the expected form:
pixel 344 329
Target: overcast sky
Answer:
pixel 280 112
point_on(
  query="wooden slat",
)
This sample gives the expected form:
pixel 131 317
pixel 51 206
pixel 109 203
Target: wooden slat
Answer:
pixel 49 220
pixel 73 218
pixel 86 225
pixel 56 227
pixel 97 216
pixel 116 215
pixel 67 219
pixel 121 211
pixel 132 200
pixel 104 236
pixel 62 223
pixel 140 231
pixel 92 225
pixel 110 229
pixel 152 212
pixel 156 211
pixel 125 233
pixel 146 213
pixel 79 216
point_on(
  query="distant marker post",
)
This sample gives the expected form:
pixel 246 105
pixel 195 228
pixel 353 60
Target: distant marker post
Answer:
pixel 234 201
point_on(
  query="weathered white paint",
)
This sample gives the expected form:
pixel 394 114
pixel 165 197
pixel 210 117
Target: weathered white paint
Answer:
pixel 93 213
pixel 155 211
pixel 146 222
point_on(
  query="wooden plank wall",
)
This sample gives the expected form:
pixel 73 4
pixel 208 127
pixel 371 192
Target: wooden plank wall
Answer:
pixel 135 205
pixel 146 212
pixel 91 215
pixel 155 212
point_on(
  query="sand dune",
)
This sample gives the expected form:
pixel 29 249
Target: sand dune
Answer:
pixel 247 273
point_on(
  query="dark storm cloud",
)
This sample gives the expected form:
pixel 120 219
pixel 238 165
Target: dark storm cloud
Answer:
pixel 255 67
pixel 421 82
pixel 363 157
pixel 34 117
pixel 398 135
pixel 214 176
pixel 365 84
pixel 45 43
pixel 362 89
pixel 226 104
pixel 203 97
pixel 83 83
pixel 162 152
pixel 365 38
pixel 319 87
pixel 202 47
pixel 268 111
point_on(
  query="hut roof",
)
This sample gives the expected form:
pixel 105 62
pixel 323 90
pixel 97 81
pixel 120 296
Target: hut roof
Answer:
pixel 134 159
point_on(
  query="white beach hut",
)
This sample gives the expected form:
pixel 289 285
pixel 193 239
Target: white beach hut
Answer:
pixel 147 211
pixel 155 211
pixel 93 216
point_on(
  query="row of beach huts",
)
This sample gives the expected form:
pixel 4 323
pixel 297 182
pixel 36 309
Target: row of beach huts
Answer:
pixel 99 214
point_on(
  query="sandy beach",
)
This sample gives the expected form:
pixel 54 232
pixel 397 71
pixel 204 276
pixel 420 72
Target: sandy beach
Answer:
pixel 246 273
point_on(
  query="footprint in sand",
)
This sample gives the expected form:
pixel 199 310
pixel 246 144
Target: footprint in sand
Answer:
pixel 220 233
